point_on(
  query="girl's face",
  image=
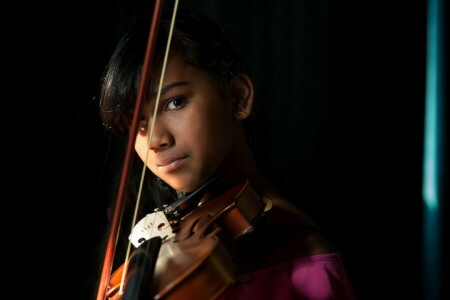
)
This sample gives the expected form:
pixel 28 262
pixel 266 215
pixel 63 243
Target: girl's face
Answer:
pixel 194 129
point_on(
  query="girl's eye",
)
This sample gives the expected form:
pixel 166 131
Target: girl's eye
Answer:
pixel 176 103
pixel 143 125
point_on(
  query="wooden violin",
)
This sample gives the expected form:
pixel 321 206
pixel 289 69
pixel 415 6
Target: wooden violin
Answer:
pixel 197 262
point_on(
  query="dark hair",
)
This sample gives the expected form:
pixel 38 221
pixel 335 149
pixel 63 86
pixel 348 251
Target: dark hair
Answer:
pixel 199 41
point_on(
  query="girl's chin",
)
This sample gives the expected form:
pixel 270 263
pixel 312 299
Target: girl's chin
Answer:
pixel 182 186
pixel 184 182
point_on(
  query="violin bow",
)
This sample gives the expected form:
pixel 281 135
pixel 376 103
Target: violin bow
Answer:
pixel 120 200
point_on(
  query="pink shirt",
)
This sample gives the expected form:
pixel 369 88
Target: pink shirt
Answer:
pixel 317 277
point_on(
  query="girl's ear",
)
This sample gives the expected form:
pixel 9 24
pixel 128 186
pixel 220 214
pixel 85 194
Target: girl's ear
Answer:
pixel 243 95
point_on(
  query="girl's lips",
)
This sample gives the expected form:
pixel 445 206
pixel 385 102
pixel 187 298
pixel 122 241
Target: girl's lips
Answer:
pixel 168 165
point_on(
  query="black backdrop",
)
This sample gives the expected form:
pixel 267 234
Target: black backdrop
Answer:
pixel 338 128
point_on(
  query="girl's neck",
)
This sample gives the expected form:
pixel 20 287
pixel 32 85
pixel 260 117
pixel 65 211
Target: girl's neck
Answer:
pixel 241 165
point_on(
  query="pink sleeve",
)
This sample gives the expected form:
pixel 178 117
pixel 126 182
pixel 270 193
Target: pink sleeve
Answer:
pixel 318 277
pixel 321 277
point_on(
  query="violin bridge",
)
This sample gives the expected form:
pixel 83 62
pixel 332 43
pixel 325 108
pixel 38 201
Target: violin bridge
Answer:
pixel 154 224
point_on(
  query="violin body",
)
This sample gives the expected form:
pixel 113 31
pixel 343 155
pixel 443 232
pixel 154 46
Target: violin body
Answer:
pixel 197 262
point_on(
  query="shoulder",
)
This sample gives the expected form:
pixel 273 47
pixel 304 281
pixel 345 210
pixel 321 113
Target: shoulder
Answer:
pixel 299 235
pixel 298 260
pixel 313 277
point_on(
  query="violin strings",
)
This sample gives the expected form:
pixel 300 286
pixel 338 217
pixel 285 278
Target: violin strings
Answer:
pixel 150 136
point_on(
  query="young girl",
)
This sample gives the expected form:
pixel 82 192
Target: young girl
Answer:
pixel 198 137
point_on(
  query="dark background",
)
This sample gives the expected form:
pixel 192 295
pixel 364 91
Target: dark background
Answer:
pixel 338 129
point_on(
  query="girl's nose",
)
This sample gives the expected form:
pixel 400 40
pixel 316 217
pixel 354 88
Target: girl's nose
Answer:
pixel 161 138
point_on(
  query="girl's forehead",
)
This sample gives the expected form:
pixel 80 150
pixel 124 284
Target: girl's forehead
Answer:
pixel 176 72
pixel 166 69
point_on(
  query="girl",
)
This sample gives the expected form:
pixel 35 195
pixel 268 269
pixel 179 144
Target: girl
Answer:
pixel 198 135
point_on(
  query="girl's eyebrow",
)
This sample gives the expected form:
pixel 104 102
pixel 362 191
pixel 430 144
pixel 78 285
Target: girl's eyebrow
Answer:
pixel 168 87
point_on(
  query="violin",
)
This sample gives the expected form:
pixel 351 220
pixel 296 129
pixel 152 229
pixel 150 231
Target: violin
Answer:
pixel 197 262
